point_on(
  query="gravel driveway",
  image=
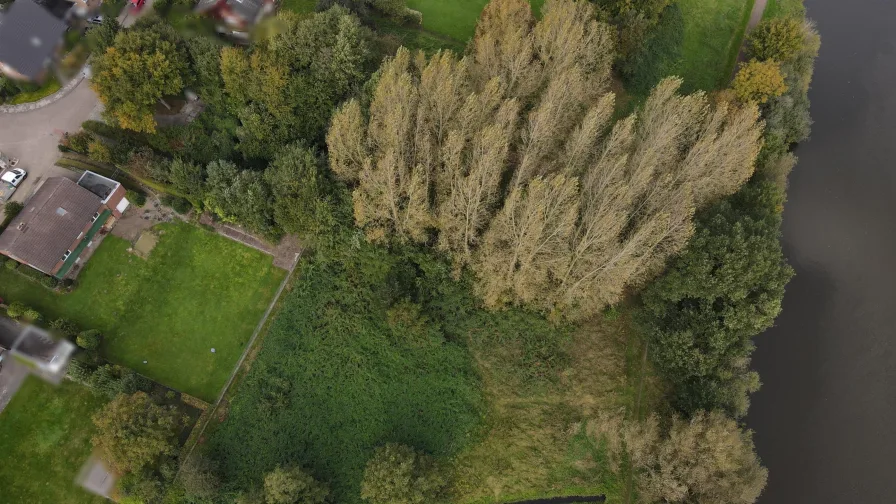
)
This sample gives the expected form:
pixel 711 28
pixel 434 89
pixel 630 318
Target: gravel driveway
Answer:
pixel 33 136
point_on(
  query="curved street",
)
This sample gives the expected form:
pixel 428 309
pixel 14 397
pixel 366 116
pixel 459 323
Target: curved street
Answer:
pixel 824 418
pixel 33 136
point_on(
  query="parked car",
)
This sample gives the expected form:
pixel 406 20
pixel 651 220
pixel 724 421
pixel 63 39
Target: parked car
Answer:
pixel 14 177
pixel 95 19
pixel 9 181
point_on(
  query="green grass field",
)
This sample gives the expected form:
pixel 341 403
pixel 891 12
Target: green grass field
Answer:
pixel 455 18
pixel 712 35
pixel 44 440
pixel 197 291
pixel 300 6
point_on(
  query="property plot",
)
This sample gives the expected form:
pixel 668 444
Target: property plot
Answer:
pixel 45 438
pixel 163 315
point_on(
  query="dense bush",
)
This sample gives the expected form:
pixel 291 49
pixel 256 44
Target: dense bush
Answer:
pixel 65 327
pixel 293 486
pixel 32 315
pixel 180 205
pixel 89 340
pixel 779 39
pixel 137 198
pixel 11 265
pixel 16 309
pixel 759 81
pixel 78 142
pixel 397 474
pixel 99 151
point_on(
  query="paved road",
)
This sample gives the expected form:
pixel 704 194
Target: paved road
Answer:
pixel 33 136
pixel 825 419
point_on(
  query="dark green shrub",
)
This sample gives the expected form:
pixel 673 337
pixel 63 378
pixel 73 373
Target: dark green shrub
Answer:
pixel 78 142
pixel 106 381
pixel 131 382
pixel 12 208
pixel 49 282
pixel 89 340
pixel 137 198
pixel 64 327
pixel 11 265
pixel 79 372
pixel 180 205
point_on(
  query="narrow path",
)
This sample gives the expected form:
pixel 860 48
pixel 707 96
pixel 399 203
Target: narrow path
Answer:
pixel 755 18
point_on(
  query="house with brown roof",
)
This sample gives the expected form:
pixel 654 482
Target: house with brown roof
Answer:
pixel 61 220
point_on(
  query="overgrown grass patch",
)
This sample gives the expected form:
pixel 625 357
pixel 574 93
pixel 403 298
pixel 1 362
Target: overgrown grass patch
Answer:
pixel 349 364
pixel 534 444
pixel 196 291
pixel 712 36
pixel 45 438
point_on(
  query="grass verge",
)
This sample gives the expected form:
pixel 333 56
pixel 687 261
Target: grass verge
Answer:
pixel 51 86
pixel 45 434
pixel 712 35
pixel 784 8
pixel 197 291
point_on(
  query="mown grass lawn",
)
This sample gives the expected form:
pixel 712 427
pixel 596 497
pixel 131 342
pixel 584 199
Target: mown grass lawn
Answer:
pixel 713 32
pixel 44 439
pixel 455 18
pixel 197 291
pixel 784 8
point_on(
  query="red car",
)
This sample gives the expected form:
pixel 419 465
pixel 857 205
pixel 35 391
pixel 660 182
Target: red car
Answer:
pixel 136 5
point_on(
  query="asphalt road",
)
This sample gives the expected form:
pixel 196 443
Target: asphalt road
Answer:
pixel 33 136
pixel 825 418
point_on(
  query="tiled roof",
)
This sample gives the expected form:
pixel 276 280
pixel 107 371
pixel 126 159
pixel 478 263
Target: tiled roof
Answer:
pixel 49 223
pixel 29 35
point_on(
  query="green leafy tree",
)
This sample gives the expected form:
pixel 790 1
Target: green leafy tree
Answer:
pixel 186 177
pixel 101 37
pixel 292 485
pixel 779 39
pixel 240 196
pixel 144 64
pixel 398 474
pixel 724 289
pixel 132 432
pixel 285 86
pixel 758 81
pixel 296 182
